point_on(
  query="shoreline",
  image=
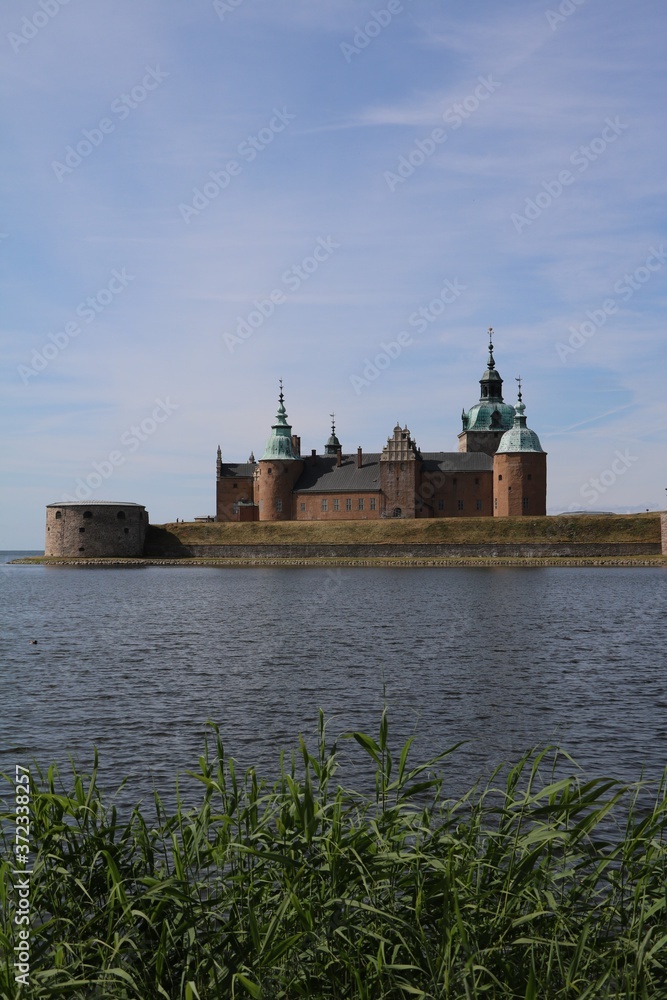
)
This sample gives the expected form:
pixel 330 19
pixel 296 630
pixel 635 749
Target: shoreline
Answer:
pixel 452 562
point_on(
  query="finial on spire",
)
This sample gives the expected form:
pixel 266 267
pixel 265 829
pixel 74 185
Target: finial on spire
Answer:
pixel 333 423
pixel 520 381
pixel 281 396
pixel 491 362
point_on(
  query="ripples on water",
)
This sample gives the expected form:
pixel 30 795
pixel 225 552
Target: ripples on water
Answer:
pixel 134 661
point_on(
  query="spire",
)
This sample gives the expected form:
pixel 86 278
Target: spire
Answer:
pixel 333 444
pixel 491 364
pixel 491 383
pixel 279 444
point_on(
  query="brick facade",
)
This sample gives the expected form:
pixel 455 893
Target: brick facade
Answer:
pixel 520 485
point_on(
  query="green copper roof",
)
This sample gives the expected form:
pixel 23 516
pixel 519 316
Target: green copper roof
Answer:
pixel 519 438
pixel 491 413
pixel 279 444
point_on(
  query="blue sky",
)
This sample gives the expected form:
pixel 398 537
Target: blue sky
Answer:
pixel 201 198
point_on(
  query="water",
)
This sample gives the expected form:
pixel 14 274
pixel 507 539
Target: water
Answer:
pixel 134 661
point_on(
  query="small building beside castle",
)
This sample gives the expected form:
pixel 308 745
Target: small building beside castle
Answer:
pixel 499 470
pixel 95 528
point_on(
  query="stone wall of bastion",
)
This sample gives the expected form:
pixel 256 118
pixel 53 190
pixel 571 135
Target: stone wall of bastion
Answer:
pixel 95 529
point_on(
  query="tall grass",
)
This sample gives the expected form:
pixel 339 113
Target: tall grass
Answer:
pixel 536 886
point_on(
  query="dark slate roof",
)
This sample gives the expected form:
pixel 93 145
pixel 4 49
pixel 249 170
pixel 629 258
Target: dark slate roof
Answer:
pixel 457 461
pixel 233 470
pixel 326 476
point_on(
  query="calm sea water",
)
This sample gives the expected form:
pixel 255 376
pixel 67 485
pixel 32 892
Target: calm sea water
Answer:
pixel 135 661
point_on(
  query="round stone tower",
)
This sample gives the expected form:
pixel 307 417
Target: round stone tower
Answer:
pixel 95 528
pixel 520 471
pixel 277 470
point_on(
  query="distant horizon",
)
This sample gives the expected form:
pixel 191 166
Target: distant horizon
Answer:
pixel 204 199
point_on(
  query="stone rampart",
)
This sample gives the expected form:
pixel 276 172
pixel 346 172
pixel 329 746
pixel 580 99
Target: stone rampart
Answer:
pixel 514 551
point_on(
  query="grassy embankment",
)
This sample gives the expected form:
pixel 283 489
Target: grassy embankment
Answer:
pixel 521 889
pixel 580 529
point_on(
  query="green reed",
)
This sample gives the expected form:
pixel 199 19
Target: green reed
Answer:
pixel 530 886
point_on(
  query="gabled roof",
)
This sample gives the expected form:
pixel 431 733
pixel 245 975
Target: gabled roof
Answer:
pixel 232 470
pixel 324 476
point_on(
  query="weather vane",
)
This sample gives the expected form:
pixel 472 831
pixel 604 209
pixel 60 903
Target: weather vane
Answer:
pixel 520 381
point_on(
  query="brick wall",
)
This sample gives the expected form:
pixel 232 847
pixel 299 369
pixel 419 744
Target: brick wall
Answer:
pixel 313 502
pixel 229 490
pixel 461 494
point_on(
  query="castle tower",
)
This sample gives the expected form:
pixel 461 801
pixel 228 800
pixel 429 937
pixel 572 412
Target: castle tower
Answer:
pixel 400 471
pixel 333 444
pixel 520 470
pixel 486 422
pixel 277 470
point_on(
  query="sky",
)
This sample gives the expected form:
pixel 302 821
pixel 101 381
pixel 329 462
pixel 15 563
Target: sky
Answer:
pixel 202 198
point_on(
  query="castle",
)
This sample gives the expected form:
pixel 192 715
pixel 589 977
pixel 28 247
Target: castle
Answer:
pixel 499 470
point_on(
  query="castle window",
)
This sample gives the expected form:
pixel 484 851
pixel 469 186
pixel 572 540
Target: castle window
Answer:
pixel 81 530
pixel 529 476
pixel 126 530
pixel 59 514
pixel 460 505
pixel 87 513
pixel 81 548
pixel 302 507
pixel 269 471
pixel 478 505
pixel 348 504
pixel 325 505
pixel 500 479
pixel 495 504
pixel 477 482
pixel 336 504
pixel 121 515
pixel 361 503
pixel 373 503
pixel 279 505
pixel 441 504
pixel 455 480
pixel 235 486
pixel 525 503
pixel 403 466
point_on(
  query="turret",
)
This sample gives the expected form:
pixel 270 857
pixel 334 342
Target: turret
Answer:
pixel 333 444
pixel 277 470
pixel 520 470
